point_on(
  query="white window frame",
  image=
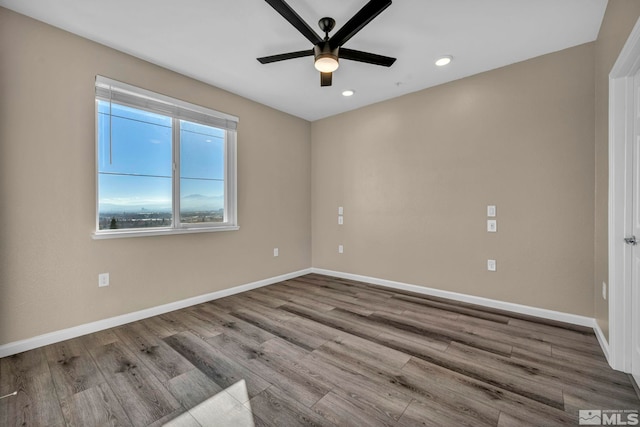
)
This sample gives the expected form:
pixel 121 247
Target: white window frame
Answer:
pixel 142 99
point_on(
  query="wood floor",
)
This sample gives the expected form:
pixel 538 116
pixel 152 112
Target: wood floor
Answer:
pixel 317 351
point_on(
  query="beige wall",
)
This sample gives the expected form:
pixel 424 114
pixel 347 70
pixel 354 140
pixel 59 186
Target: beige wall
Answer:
pixel 49 264
pixel 619 19
pixel 416 173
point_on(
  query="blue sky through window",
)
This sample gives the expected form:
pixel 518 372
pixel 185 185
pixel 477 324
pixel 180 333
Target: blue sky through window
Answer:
pixel 135 158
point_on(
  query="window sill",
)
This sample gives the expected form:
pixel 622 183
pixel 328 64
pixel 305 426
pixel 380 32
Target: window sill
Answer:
pixel 100 235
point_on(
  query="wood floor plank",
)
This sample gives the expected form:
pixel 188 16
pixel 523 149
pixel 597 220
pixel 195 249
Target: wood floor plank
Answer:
pixel 353 328
pixel 372 300
pixel 452 307
pixel 345 412
pixel 347 303
pixel 192 322
pixel 232 325
pixel 573 367
pixel 215 364
pixel 95 406
pixel 303 388
pixel 515 404
pixel 463 325
pixel 293 357
pixel 285 331
pixel 163 326
pixel 157 356
pixel 371 396
pixel 140 393
pixel 408 342
pixel 552 334
pixel 566 353
pixel 374 353
pixel 289 296
pixel 193 388
pixel 36 402
pixel 539 392
pixel 427 413
pixel 440 333
pixel 72 368
pixel 507 420
pixel 98 339
pixel 580 384
pixel 275 408
pixel 266 300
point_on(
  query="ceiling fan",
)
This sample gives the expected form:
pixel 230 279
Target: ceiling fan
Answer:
pixel 327 51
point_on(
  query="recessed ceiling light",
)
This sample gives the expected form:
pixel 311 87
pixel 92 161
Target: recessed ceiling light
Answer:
pixel 442 61
pixel 348 92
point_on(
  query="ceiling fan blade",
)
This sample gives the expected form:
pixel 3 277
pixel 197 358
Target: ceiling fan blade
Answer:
pixel 294 19
pixel 369 58
pixel 359 20
pixel 325 79
pixel 284 56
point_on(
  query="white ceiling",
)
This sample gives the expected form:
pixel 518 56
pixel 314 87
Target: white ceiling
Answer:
pixel 218 41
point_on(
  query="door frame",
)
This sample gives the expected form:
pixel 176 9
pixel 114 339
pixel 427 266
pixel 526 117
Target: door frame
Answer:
pixel 621 134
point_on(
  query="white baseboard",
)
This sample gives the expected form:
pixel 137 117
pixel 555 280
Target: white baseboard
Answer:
pixel 604 344
pixel 76 331
pixel 559 316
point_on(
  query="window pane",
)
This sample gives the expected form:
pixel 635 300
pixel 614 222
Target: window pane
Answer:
pixel 201 151
pixel 201 173
pixel 134 201
pixel 134 168
pixel 139 142
pixel 201 200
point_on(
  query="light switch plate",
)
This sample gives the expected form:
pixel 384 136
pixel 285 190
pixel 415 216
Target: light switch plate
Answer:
pixel 491 210
pixel 340 249
pixel 340 220
pixel 492 225
pixel 340 210
pixel 491 265
pixel 276 252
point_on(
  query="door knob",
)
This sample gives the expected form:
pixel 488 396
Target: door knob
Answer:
pixel 631 240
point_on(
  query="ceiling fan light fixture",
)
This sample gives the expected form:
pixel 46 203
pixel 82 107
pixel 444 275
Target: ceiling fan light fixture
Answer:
pixel 326 59
pixel 444 60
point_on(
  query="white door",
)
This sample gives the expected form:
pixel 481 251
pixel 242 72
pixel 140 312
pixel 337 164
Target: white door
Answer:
pixel 635 275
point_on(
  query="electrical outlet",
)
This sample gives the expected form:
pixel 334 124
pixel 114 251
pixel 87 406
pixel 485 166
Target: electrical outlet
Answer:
pixel 340 249
pixel 275 252
pixel 340 210
pixel 103 280
pixel 340 220
pixel 491 265
pixel 492 225
pixel 491 210
pixel 604 291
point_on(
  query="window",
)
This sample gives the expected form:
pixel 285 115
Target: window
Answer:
pixel 163 165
